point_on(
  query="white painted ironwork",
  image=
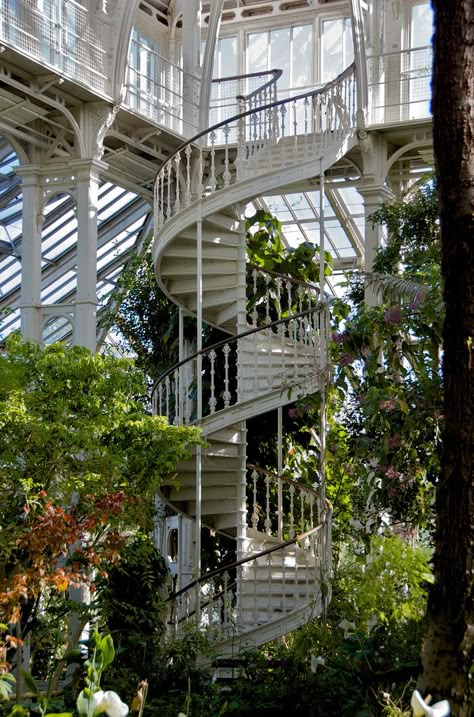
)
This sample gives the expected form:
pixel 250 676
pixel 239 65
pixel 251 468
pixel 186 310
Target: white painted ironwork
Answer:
pixel 263 145
pixel 63 35
pixel 399 85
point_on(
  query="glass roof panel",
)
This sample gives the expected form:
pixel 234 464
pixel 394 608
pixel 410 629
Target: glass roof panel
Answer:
pixel 121 218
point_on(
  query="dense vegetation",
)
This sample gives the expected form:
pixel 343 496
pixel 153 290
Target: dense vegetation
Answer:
pixel 81 459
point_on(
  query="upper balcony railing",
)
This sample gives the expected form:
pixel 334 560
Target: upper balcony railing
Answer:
pixel 399 86
pixel 161 91
pixel 62 35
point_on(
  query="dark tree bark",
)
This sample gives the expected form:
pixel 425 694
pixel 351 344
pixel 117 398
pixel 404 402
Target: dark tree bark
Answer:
pixel 449 648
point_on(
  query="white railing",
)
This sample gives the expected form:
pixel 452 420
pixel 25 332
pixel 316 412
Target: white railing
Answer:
pixel 262 587
pixel 233 95
pixel 400 86
pixel 61 34
pixel 160 90
pixel 278 506
pixel 269 137
pixel 277 357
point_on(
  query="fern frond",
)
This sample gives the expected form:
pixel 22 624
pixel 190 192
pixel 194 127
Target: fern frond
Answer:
pixel 395 288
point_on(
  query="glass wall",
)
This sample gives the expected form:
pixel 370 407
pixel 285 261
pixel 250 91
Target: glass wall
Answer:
pixel 289 49
pixel 337 50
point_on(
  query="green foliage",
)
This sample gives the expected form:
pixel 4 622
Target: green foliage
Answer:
pixel 265 248
pixel 74 432
pixel 72 423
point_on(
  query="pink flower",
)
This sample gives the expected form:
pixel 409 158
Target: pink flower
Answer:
pixel 393 315
pixel 345 359
pixel 292 412
pixel 338 338
pixel 389 405
pixel 394 441
pixel 416 301
pixel 392 473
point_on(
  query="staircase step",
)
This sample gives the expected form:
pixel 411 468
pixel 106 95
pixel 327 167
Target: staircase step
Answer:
pixel 213 236
pixel 223 221
pixel 186 285
pixel 214 507
pixel 214 298
pixel 187 249
pixel 209 493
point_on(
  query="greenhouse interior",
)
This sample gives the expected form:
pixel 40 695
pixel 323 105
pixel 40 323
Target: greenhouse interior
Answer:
pixel 221 356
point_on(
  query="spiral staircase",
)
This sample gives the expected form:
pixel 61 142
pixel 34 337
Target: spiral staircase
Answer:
pixel 274 354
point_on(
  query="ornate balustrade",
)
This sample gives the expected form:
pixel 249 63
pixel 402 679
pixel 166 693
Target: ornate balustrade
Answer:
pixel 277 356
pixel 269 137
pixel 233 95
pixel 63 35
pixel 278 506
pixel 246 593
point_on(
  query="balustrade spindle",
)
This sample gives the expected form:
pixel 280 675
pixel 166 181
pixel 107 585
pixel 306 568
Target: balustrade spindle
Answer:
pixel 294 332
pixel 212 178
pixel 226 395
pixel 267 279
pixel 162 197
pixel 168 193
pixel 226 175
pixel 177 398
pixel 254 310
pixel 268 522
pixel 177 201
pixel 255 510
pixel 212 400
pixel 200 176
pixel 302 497
pixel 292 514
pixel 270 573
pixel 167 395
pixel 188 197
pixel 187 397
pixel 283 580
pixel 278 284
pixel 295 130
pixel 282 137
pixel 210 606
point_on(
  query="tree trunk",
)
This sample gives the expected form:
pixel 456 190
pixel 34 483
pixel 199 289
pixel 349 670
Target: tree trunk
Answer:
pixel 449 647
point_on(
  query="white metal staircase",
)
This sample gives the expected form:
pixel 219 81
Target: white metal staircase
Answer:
pixel 273 355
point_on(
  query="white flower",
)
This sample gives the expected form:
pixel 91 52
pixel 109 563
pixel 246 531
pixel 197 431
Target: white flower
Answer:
pixel 422 709
pixel 348 627
pixel 316 661
pixel 108 702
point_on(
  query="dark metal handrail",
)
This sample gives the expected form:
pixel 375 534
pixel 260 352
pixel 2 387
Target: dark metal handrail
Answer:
pixel 231 339
pixel 284 544
pixel 312 93
pixel 276 76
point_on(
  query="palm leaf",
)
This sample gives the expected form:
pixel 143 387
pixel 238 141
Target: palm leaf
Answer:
pixel 395 288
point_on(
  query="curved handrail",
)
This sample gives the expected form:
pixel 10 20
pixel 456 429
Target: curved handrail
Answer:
pixel 255 556
pixel 320 306
pixel 312 93
pixel 276 76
